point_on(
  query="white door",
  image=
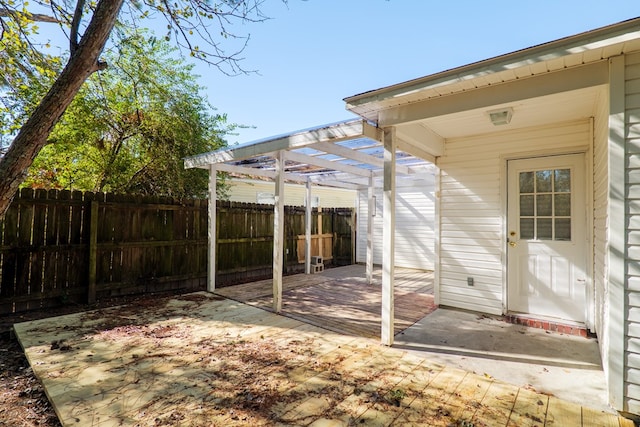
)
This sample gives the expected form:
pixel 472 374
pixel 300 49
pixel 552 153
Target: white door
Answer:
pixel 547 239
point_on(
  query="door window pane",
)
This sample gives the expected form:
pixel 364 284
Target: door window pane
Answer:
pixel 543 181
pixel 563 229
pixel 526 205
pixel 562 204
pixel 562 181
pixel 544 230
pixel 526 228
pixel 526 182
pixel 543 205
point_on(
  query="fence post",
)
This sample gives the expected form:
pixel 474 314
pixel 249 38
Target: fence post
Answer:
pixel 352 226
pixel 93 251
pixel 196 230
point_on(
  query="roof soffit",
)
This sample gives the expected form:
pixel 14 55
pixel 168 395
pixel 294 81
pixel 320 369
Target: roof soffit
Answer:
pixel 518 90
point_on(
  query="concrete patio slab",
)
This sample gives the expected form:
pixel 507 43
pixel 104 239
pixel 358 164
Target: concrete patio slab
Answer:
pixel 560 365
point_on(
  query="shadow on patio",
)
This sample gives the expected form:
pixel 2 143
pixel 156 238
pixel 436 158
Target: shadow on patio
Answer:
pixel 340 300
pixel 200 359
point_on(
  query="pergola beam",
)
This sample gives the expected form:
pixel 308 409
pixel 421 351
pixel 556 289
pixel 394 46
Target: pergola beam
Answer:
pixel 244 170
pixel 336 180
pixel 326 164
pixel 328 182
pixel 356 155
pixel 422 137
pixel 415 151
pixel 291 177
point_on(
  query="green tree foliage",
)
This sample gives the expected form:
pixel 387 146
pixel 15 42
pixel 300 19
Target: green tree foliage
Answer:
pixel 131 125
pixel 26 70
pixel 204 29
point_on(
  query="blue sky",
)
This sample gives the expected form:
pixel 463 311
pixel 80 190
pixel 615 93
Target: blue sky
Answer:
pixel 314 53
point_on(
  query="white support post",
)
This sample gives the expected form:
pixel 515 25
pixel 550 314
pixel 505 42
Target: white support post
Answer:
pixel 307 230
pixel 437 234
pixel 320 233
pixel 372 207
pixel 388 236
pixel 213 235
pixel 278 233
pixel 615 353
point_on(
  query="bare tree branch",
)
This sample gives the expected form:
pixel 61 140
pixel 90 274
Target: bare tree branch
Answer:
pixel 75 25
pixel 202 20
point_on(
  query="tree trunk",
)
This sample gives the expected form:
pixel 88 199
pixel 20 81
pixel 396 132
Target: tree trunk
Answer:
pixel 34 133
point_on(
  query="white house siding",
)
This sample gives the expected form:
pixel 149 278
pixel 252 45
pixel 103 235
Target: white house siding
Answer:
pixel 244 190
pixel 414 226
pixel 632 350
pixel 472 210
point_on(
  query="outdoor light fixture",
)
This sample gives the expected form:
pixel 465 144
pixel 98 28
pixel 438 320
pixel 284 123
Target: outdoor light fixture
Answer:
pixel 500 117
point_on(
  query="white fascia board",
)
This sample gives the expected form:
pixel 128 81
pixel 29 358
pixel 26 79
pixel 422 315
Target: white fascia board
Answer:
pixel 331 133
pixel 203 160
pixel 335 184
pixel 594 74
pixel 616 34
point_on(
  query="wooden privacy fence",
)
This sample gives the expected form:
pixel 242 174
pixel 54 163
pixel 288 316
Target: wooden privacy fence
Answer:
pixel 245 239
pixel 61 247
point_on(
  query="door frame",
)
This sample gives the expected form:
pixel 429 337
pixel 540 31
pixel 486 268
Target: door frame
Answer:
pixel 587 151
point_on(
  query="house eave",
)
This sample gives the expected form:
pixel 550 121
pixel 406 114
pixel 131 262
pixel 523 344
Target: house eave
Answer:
pixel 614 38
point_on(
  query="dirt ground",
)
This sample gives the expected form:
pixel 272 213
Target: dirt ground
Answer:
pixel 23 402
pixel 22 398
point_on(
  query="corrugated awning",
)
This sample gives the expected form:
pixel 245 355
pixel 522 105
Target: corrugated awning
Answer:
pixel 344 154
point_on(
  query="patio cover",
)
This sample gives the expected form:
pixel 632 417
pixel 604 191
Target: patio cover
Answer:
pixel 351 154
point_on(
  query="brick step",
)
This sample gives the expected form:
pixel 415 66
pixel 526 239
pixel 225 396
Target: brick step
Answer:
pixel 548 325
